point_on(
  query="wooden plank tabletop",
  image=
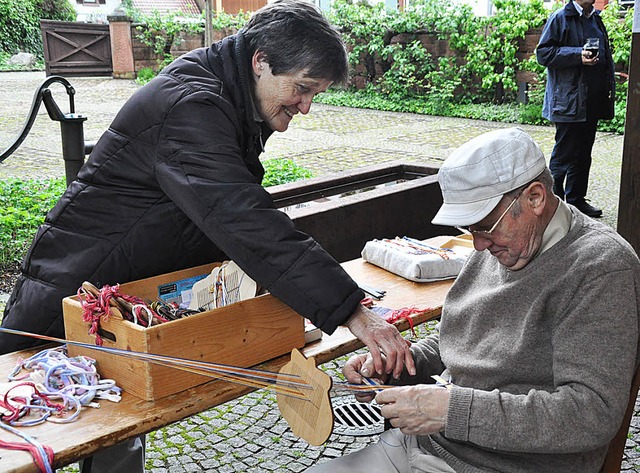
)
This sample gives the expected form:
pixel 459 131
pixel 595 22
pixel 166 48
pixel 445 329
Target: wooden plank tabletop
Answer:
pixel 114 422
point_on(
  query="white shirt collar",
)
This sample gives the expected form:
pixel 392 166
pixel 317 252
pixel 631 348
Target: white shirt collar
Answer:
pixel 557 228
pixel 581 10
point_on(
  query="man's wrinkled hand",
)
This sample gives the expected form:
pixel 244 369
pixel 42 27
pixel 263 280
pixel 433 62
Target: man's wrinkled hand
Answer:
pixel 415 410
pixel 381 338
pixel 360 366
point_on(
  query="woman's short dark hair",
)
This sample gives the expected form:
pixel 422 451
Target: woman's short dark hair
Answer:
pixel 295 35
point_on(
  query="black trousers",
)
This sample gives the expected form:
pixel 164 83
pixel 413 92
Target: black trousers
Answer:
pixel 570 161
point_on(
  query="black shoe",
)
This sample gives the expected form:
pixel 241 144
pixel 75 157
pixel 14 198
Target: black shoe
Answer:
pixel 588 209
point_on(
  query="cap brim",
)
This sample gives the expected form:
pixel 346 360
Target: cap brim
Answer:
pixel 465 214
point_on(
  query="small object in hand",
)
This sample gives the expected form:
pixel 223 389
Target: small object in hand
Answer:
pixel 592 47
pixel 371 382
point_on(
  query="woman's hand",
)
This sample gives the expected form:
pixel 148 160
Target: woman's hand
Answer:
pixel 381 338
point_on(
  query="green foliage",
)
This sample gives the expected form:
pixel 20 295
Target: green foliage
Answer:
pixel 530 114
pixel 616 125
pixel 373 99
pixel 24 204
pixel 222 20
pixel 20 22
pixel 409 70
pixel 162 30
pixel 282 171
pixel 490 48
pixel 145 75
pixel 19 26
pixel 481 67
pixel 487 46
pixel 60 10
pixel 130 10
pixel 619 31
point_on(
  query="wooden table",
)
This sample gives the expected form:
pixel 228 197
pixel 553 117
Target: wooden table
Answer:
pixel 113 423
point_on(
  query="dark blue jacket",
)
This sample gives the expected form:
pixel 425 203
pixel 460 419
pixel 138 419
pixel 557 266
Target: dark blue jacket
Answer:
pixel 560 50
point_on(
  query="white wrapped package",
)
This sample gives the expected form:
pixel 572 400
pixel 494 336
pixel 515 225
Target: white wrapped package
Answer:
pixel 415 260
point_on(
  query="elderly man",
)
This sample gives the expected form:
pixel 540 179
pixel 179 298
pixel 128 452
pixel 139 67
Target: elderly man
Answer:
pixel 539 334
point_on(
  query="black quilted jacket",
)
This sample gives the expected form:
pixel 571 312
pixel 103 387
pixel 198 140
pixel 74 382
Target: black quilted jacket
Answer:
pixel 174 183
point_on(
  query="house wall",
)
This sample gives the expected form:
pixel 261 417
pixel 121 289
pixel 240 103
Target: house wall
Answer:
pixel 94 12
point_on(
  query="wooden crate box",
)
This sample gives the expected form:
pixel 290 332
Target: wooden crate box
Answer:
pixel 241 334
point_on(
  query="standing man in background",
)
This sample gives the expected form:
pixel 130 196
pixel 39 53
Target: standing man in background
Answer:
pixel 580 90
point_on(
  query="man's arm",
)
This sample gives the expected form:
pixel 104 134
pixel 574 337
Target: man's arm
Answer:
pixel 551 52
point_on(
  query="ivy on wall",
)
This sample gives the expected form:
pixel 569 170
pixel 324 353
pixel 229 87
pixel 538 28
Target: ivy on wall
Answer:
pixel 20 23
pixel 435 52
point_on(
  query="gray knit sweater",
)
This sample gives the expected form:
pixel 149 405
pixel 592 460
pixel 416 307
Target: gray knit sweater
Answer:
pixel 541 358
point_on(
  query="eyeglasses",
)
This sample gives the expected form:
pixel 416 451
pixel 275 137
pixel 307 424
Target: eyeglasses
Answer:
pixel 488 233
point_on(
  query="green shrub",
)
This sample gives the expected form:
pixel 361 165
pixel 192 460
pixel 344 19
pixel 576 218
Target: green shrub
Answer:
pixel 19 28
pixel 25 204
pixel 20 22
pixel 486 47
pixel 60 10
pixel 145 75
pixel 282 171
pixel 619 32
pixel 161 31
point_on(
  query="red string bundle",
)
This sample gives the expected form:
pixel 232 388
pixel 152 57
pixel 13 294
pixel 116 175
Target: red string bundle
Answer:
pixel 33 450
pixel 16 407
pixel 94 309
pixel 403 313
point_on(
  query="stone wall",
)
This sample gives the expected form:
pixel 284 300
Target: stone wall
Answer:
pixel 526 49
pixel 145 57
pixel 369 69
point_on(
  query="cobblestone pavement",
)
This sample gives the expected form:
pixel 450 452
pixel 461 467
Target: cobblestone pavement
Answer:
pixel 248 435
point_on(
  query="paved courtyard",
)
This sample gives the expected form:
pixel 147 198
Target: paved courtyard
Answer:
pixel 248 435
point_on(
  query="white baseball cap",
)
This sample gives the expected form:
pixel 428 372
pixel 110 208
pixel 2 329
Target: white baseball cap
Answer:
pixel 476 175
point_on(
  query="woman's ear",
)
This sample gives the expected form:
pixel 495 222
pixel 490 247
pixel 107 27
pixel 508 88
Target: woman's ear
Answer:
pixel 258 63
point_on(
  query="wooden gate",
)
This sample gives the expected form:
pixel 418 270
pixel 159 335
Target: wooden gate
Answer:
pixel 76 49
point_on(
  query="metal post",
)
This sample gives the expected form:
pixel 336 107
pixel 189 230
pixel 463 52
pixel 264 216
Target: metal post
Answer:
pixel 72 131
pixel 73 146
